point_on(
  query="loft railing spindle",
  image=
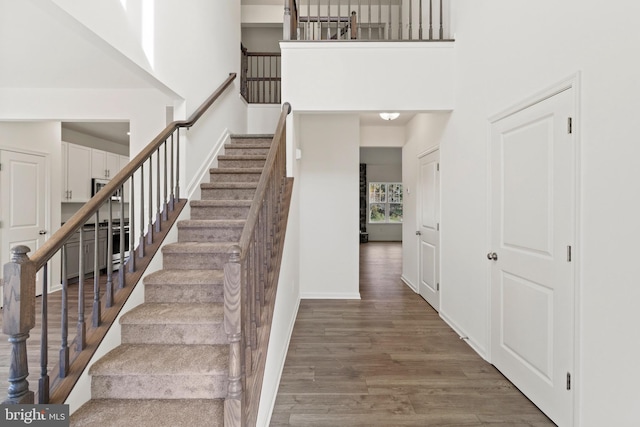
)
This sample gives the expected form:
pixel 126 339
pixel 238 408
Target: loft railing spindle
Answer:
pixel 361 20
pixel 389 22
pixel 380 20
pixel 420 21
pixel 400 35
pixel 369 19
pixel 441 27
pixel 410 19
pixel 328 19
pixel 430 19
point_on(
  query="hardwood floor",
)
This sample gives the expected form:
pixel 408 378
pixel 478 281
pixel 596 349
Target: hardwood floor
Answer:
pixel 389 360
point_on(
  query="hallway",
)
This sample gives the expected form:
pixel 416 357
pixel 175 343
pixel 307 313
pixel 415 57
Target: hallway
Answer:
pixel 389 360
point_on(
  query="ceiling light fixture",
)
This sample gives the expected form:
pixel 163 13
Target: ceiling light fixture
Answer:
pixel 389 116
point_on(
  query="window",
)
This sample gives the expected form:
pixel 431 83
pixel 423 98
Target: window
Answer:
pixel 385 202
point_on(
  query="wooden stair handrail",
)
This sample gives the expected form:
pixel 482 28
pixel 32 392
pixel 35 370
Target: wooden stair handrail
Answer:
pixel 53 245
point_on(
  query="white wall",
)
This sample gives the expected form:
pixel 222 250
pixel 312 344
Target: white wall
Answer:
pixel 262 38
pixel 423 133
pixel 328 203
pixel 382 136
pixel 263 118
pixel 504 56
pixel 368 76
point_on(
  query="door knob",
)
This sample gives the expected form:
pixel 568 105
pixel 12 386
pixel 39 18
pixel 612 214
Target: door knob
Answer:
pixel 418 233
pixel 492 256
pixel 42 232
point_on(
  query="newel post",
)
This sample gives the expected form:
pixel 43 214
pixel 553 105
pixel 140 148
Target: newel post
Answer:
pixel 232 327
pixel 19 317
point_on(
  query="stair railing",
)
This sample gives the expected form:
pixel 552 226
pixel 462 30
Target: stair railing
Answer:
pixel 250 280
pixel 261 77
pixel 154 173
pixel 376 20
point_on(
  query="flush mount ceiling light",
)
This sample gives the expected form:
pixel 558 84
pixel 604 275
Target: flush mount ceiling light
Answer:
pixel 389 116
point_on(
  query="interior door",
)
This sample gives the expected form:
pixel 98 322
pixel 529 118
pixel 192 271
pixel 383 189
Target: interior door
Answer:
pixel 533 228
pixel 24 204
pixel 429 228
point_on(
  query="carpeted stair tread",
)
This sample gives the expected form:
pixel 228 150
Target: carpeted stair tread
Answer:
pixel 155 359
pixel 217 171
pixel 150 413
pixel 211 223
pixel 166 313
pixel 229 185
pixel 224 203
pixel 242 157
pixel 184 286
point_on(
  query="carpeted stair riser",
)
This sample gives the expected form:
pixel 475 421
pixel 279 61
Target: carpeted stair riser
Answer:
pixel 246 149
pixel 261 139
pixel 213 209
pixel 133 371
pixel 210 230
pixel 179 286
pixel 195 256
pixel 235 175
pixel 228 191
pixel 244 161
pixel 170 323
pixel 149 412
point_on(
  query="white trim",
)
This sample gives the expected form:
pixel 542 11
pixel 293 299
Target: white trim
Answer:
pixel 378 45
pixel 283 357
pixel 409 284
pixel 202 173
pixel 574 82
pixel 463 336
pixel 329 295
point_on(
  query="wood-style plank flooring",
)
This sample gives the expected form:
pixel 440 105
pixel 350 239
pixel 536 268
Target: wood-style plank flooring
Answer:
pixel 389 360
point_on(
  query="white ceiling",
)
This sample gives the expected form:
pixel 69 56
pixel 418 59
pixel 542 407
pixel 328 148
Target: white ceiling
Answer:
pixel 110 131
pixel 373 119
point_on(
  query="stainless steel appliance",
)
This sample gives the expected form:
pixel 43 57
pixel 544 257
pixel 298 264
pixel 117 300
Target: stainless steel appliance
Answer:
pixel 116 239
pixel 98 183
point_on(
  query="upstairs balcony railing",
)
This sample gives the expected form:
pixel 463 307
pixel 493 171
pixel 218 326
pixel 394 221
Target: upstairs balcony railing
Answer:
pixel 261 77
pixel 397 20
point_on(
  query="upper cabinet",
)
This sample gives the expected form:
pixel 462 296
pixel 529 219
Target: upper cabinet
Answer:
pixel 104 164
pixel 80 164
pixel 76 173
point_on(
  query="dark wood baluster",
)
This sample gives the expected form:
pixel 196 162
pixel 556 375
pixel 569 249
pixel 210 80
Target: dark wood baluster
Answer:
pixel 178 164
pixel 150 213
pixel 441 28
pixel 410 19
pixel 142 243
pixel 131 261
pixel 64 321
pixel 158 193
pixel 389 22
pixel 95 318
pixel 172 201
pixel 420 27
pixel 165 207
pixel 369 19
pixel 400 35
pixel 43 383
pixel 81 334
pixel 430 19
pixel 108 293
pixel 233 328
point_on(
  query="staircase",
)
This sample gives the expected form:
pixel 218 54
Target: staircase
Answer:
pixel 172 366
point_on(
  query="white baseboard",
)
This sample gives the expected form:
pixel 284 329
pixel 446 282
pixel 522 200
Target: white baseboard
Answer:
pixel 407 282
pixel 321 295
pixel 202 174
pixel 283 357
pixel 463 336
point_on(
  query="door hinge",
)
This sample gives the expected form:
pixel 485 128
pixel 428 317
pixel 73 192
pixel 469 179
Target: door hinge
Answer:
pixel 438 226
pixel 0 166
pixel 437 166
pixel 568 381
pixel 569 253
pixel 570 125
pixel 437 286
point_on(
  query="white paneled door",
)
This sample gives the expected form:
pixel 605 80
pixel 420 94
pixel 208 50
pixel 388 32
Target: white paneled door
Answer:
pixel 429 227
pixel 533 233
pixel 23 210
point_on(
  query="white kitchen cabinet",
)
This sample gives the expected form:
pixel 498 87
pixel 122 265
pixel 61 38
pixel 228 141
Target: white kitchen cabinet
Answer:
pixel 76 173
pixel 104 164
